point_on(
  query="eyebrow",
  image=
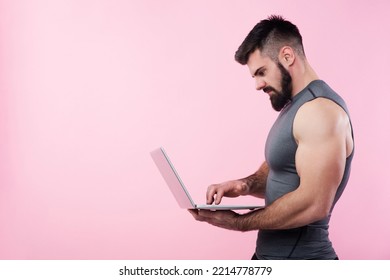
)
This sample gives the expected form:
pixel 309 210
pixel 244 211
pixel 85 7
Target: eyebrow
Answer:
pixel 258 70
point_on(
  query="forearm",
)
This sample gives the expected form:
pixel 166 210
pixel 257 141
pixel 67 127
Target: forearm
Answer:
pixel 290 211
pixel 256 183
pixel 287 212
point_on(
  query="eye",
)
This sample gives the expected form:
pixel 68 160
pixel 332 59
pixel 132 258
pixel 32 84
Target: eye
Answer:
pixel 260 73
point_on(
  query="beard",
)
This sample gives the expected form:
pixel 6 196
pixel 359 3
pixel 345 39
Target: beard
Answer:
pixel 280 98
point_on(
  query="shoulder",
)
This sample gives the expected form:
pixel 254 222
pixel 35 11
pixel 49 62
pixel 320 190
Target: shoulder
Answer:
pixel 321 117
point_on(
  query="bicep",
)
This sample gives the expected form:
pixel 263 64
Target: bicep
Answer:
pixel 321 154
pixel 321 167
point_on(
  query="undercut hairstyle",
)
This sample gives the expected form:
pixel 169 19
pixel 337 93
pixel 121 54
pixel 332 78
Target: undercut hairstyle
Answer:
pixel 269 36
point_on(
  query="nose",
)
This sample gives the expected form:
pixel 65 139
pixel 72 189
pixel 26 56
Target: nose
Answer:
pixel 259 83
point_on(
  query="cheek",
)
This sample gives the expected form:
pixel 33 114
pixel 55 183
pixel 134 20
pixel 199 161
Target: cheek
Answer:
pixel 275 77
pixel 276 83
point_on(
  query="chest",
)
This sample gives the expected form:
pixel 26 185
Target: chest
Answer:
pixel 281 147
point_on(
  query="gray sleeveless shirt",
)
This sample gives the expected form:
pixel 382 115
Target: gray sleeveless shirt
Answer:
pixel 311 241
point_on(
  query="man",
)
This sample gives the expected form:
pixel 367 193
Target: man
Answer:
pixel 308 152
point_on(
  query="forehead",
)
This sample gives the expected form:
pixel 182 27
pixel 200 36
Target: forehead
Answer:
pixel 257 60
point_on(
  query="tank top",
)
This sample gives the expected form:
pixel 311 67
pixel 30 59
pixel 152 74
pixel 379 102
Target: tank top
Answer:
pixel 310 241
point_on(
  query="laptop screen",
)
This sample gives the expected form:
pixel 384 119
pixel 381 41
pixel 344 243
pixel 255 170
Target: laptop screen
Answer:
pixel 172 178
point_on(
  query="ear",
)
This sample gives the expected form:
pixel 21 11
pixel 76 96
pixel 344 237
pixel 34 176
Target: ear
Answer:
pixel 287 56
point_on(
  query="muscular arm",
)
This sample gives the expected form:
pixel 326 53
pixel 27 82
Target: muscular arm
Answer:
pixel 322 131
pixel 323 135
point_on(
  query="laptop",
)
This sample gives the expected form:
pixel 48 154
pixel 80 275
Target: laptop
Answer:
pixel 179 190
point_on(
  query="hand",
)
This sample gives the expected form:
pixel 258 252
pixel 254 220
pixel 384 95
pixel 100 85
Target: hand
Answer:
pixel 229 189
pixel 222 218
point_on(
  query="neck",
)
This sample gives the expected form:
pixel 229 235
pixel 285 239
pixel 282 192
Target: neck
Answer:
pixel 302 75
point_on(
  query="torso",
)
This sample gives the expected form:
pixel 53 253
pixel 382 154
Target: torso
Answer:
pixel 283 178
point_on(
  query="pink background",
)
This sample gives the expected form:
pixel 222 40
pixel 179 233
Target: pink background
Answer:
pixel 88 88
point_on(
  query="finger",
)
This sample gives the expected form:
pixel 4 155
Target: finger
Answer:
pixel 205 214
pixel 201 217
pixel 193 212
pixel 219 195
pixel 210 194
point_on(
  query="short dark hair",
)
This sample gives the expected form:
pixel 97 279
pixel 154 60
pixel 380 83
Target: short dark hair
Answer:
pixel 269 36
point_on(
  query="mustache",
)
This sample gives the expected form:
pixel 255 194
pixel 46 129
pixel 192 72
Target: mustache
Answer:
pixel 268 89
